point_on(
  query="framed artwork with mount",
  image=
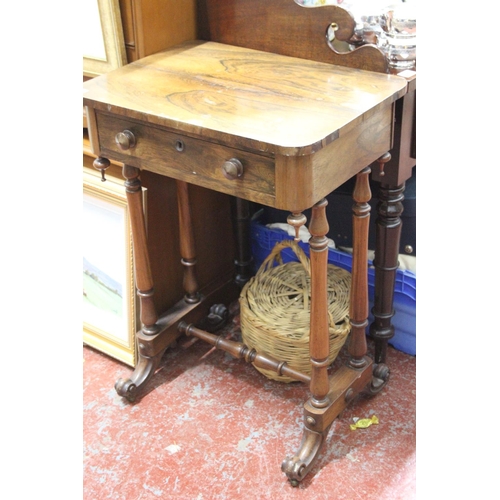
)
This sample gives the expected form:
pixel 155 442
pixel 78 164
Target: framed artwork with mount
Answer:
pixel 110 315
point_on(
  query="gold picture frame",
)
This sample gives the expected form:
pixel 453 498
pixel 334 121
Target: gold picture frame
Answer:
pixel 103 43
pixel 110 307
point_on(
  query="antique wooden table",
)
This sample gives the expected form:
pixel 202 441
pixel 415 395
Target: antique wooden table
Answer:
pixel 264 127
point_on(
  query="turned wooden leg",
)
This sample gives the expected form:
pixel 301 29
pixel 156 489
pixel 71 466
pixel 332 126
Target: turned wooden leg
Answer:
pixel 243 261
pixel 142 268
pixel 358 308
pixel 319 340
pixel 187 246
pixel 330 396
pixel 146 365
pixel 388 232
pixel 315 431
pixel 218 313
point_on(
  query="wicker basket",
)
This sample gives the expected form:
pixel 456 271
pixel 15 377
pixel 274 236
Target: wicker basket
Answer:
pixel 275 310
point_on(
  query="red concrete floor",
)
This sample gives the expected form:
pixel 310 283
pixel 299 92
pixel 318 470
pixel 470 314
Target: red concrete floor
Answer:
pixel 212 427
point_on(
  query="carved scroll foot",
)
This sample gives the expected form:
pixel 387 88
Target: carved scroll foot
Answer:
pixel 152 347
pixel 297 467
pixel 145 369
pixel 380 378
pixel 345 384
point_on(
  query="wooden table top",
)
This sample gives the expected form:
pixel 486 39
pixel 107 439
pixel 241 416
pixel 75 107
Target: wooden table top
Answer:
pixel 219 92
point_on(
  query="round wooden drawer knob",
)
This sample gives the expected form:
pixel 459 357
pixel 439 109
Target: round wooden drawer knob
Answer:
pixel 232 169
pixel 125 140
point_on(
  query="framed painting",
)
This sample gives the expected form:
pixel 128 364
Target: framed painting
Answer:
pixel 103 41
pixel 110 309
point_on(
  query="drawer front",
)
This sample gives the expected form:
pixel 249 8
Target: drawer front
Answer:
pixel 186 158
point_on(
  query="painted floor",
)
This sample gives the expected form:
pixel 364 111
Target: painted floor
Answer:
pixel 212 427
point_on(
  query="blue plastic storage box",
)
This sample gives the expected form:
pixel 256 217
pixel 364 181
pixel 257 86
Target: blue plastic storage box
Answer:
pixel 263 240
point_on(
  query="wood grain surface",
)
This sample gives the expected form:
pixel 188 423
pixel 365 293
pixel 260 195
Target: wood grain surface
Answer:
pixel 243 97
pixel 284 27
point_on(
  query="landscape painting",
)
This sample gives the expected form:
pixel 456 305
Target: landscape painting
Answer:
pixel 108 294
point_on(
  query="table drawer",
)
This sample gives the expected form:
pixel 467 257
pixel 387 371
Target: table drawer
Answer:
pixel 186 158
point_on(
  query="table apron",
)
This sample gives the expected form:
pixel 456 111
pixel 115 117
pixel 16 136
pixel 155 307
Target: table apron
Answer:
pixel 291 183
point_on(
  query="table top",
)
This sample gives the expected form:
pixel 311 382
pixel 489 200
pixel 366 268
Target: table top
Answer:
pixel 277 104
